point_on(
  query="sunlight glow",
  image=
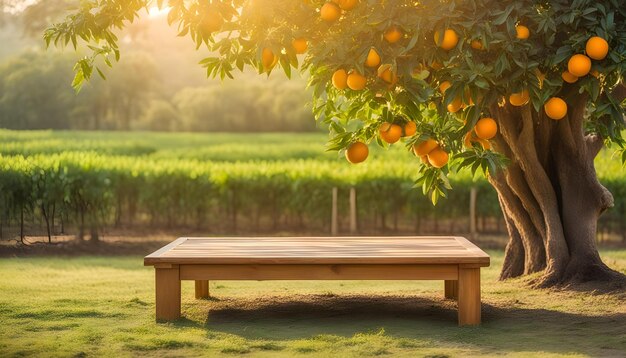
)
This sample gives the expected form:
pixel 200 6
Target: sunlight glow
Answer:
pixel 156 12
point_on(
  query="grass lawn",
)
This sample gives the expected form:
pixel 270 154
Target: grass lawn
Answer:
pixel 104 306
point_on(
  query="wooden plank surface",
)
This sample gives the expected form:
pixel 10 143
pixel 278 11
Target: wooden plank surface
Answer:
pixel 319 272
pixel 320 250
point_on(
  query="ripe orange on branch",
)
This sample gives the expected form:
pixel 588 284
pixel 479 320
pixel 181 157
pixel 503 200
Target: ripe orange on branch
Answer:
pixel 555 108
pixel 357 152
pixel 393 34
pixel 268 59
pixel 425 147
pixel 330 12
pixel 443 86
pixel 340 79
pixel 373 58
pixel 522 32
pixel 438 158
pixel 410 128
pixel 449 41
pixel 212 21
pixel 386 73
pixel 568 77
pixel 597 48
pixel 356 81
pixel 455 105
pixel 484 143
pixel 486 128
pixel 476 44
pixel 300 45
pixel 468 139
pixel 519 99
pixel 579 65
pixel 389 132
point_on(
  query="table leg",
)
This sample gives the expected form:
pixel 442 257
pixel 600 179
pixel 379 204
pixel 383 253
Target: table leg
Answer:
pixel 167 293
pixel 451 289
pixel 469 296
pixel 202 289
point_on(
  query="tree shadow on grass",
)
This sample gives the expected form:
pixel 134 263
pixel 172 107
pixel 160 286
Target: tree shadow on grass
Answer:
pixel 505 329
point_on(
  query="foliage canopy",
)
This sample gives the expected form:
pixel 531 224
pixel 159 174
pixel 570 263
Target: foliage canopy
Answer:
pixel 504 47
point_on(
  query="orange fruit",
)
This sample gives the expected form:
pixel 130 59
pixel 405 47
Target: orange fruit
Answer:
pixel 387 75
pixel 389 132
pixel 212 21
pixel 555 108
pixel 519 99
pixel 356 81
pixel 597 48
pixel 449 40
pixel 476 44
pixel 330 12
pixel 393 34
pixel 568 77
pixel 268 59
pixel 455 105
pixel 486 128
pixel 357 152
pixel 468 97
pixel 300 45
pixel 522 32
pixel 438 157
pixel 579 65
pixel 373 59
pixel 468 139
pixel 443 86
pixel 340 79
pixel 346 4
pixel 425 147
pixel 410 128
pixel 424 159
pixel 484 143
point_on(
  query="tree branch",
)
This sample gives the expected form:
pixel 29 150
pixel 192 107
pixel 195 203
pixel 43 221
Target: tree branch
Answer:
pixel 594 144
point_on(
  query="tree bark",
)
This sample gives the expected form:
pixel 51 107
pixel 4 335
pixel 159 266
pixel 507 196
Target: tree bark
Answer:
pixel 550 196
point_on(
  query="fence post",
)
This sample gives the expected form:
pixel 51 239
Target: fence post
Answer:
pixel 472 212
pixel 353 227
pixel 333 219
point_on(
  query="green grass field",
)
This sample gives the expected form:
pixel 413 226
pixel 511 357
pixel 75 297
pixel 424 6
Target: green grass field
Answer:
pixel 212 146
pixel 104 306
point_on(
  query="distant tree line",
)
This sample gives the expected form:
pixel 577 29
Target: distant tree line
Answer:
pixel 35 93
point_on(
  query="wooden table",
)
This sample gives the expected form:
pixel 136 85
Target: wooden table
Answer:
pixel 452 259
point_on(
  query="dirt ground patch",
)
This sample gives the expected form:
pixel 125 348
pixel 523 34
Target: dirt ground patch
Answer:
pixel 69 246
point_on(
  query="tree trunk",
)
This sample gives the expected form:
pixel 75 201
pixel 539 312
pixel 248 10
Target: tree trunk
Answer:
pixel 45 216
pixel 22 224
pixel 550 196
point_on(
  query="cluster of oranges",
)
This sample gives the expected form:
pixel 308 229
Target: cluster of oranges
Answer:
pixel 331 11
pixel 430 151
pixel 579 65
pixel 356 81
pixel 269 58
pixel 357 152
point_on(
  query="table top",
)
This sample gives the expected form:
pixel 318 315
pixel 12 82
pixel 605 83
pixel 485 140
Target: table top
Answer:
pixel 320 250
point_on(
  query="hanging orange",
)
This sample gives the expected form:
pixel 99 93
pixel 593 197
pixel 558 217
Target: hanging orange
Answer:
pixel 555 108
pixel 357 152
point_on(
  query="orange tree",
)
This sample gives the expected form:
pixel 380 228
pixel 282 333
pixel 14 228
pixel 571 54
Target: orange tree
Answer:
pixel 525 92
